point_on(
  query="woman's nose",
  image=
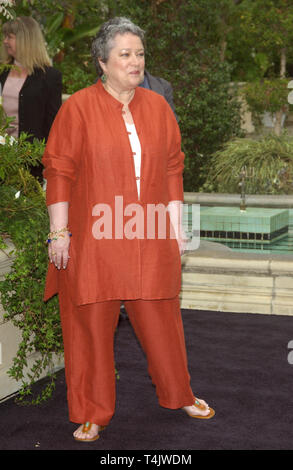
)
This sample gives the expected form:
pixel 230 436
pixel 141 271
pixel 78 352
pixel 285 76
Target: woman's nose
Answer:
pixel 135 59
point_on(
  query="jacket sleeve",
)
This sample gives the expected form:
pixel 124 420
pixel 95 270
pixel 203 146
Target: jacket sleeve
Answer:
pixel 54 98
pixel 163 87
pixel 168 94
pixel 61 158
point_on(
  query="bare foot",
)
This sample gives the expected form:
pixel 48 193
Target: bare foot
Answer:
pixel 88 431
pixel 200 408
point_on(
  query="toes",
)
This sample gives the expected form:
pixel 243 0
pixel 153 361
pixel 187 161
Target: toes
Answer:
pixel 203 402
pixel 80 434
pixel 201 412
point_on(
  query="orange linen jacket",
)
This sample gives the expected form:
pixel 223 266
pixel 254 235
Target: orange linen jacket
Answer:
pixel 88 162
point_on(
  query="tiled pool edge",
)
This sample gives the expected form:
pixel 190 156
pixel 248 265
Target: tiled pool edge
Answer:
pixel 252 200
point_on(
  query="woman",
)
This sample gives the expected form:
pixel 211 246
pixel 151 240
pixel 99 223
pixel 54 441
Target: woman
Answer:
pixel 32 88
pixel 114 151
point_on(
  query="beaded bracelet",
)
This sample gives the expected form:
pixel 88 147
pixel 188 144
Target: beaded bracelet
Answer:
pixel 52 236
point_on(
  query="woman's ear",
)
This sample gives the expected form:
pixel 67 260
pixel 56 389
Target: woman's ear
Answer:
pixel 102 65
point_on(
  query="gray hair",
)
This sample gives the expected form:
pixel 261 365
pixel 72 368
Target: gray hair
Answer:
pixel 103 42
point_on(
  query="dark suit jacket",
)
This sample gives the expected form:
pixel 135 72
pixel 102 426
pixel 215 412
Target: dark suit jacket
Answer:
pixel 39 100
pixel 161 86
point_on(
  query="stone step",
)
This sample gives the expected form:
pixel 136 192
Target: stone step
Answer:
pixel 217 278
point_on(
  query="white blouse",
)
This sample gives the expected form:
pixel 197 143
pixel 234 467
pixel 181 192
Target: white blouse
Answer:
pixel 136 150
pixel 174 207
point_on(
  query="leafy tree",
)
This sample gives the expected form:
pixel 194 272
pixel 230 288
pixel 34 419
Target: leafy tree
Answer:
pixel 6 9
pixel 267 27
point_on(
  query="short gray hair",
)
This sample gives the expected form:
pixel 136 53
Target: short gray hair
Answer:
pixel 103 42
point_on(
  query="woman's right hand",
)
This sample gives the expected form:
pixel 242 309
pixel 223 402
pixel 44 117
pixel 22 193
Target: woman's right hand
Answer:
pixel 58 251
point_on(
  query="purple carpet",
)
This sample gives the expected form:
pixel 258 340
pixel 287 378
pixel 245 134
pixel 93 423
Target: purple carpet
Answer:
pixel 238 364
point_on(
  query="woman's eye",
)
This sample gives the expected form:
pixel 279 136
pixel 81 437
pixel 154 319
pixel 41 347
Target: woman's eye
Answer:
pixel 127 54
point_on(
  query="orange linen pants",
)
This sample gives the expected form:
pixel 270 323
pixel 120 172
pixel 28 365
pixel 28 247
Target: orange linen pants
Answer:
pixel 88 335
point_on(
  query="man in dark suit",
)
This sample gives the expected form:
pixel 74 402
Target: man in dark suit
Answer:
pixel 161 86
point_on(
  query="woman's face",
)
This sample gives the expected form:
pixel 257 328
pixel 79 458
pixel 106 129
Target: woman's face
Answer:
pixel 125 67
pixel 10 44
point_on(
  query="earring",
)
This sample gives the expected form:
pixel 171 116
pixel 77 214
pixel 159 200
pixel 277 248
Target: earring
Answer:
pixel 104 78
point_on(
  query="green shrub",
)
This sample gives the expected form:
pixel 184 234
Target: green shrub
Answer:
pixel 24 220
pixel 267 95
pixel 209 115
pixel 267 161
pixel 75 78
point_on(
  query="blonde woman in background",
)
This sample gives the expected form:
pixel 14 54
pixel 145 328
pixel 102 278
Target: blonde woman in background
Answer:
pixel 32 89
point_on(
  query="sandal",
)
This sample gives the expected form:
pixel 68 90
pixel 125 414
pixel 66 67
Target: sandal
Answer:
pixel 201 406
pixel 86 428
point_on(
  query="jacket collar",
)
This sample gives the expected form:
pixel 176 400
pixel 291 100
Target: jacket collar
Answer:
pixel 113 101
